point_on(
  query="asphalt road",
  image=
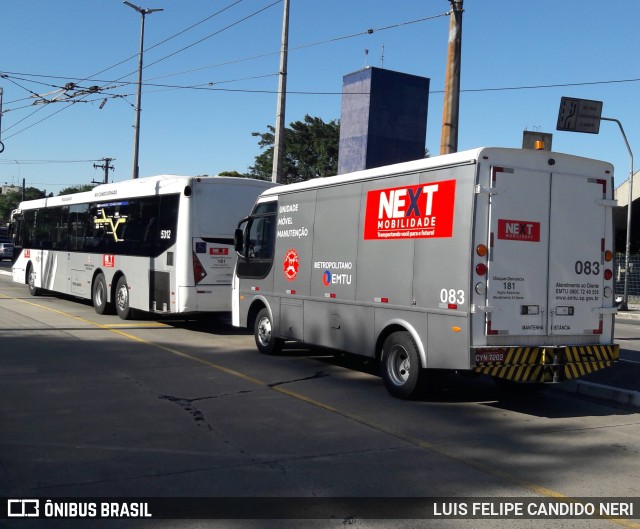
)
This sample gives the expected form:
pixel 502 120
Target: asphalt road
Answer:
pixel 91 406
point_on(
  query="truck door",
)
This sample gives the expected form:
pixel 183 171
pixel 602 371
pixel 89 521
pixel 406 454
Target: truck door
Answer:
pixel 542 277
pixel 518 252
pixel 576 266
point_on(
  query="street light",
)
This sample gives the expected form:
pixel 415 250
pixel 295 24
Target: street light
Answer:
pixel 136 139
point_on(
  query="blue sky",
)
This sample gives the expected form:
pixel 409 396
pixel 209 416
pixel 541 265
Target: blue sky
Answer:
pixel 589 46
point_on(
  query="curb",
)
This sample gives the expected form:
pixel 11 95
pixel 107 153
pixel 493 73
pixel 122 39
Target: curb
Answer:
pixel 626 397
pixel 631 315
pixel 5 273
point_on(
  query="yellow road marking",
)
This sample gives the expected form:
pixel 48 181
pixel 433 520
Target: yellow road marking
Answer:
pixel 419 443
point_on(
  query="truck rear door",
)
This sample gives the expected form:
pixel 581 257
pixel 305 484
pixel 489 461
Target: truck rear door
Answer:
pixel 518 252
pixel 577 245
pixel 543 278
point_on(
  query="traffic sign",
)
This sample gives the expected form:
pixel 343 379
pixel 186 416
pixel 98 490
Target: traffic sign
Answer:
pixel 579 115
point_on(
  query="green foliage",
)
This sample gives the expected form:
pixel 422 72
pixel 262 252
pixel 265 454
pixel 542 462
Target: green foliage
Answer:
pixel 12 199
pixel 76 189
pixel 233 173
pixel 311 151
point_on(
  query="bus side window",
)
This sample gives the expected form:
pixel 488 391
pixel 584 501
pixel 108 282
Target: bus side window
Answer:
pixel 59 220
pixel 79 222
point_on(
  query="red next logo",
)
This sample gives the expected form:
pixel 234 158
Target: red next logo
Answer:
pixel 518 230
pixel 420 211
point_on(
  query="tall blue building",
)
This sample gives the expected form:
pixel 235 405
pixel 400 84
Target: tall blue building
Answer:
pixel 384 119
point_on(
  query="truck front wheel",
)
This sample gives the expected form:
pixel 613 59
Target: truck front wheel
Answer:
pixel 400 366
pixel 266 342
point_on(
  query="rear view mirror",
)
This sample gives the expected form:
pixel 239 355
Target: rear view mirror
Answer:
pixel 238 242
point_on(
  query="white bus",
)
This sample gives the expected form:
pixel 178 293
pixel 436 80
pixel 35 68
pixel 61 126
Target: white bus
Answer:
pixel 161 244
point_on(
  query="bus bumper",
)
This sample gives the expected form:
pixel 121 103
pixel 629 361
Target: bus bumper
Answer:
pixel 544 364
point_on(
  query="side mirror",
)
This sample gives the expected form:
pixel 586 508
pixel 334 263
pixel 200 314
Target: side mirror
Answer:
pixel 238 241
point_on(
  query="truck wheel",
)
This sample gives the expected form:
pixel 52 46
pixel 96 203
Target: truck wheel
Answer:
pixel 400 365
pixel 100 296
pixel 31 281
pixel 266 342
pixel 122 299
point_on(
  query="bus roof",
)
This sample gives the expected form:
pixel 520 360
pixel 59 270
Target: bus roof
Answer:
pixel 151 185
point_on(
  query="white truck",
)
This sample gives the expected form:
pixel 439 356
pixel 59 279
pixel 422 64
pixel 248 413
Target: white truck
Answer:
pixel 494 261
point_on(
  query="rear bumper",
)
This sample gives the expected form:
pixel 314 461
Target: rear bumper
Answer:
pixel 544 364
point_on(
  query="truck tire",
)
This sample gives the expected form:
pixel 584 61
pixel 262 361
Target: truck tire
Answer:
pixel 31 281
pixel 401 371
pixel 100 295
pixel 266 342
pixel 122 299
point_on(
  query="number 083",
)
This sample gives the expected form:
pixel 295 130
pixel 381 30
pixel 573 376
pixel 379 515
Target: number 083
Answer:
pixel 452 296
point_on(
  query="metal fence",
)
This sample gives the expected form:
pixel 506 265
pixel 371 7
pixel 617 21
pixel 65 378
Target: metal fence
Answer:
pixel 634 277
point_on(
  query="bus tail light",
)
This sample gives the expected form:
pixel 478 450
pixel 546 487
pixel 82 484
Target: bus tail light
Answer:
pixel 199 273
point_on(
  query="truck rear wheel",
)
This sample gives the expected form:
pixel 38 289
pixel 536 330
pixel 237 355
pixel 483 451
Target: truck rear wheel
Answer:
pixel 401 371
pixel 266 342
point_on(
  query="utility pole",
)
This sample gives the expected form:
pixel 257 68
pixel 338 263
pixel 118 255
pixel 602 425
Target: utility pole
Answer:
pixel 278 143
pixel 136 140
pixel 450 112
pixel 1 144
pixel 106 168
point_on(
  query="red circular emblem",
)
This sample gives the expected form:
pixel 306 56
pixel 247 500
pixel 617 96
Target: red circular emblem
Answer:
pixel 291 264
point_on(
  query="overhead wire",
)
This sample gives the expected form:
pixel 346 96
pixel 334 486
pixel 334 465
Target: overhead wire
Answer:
pixel 229 26
pixel 212 85
pixel 121 62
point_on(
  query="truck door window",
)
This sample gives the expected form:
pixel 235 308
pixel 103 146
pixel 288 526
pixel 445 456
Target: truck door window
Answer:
pixel 260 239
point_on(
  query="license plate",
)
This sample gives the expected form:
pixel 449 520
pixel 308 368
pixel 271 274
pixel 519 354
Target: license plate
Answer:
pixel 485 356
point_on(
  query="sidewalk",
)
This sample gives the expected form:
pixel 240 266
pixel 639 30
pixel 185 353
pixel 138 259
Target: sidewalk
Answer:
pixel 619 383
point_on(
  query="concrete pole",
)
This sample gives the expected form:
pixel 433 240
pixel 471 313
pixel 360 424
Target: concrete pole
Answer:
pixel 450 112
pixel 627 255
pixel 278 144
pixel 136 138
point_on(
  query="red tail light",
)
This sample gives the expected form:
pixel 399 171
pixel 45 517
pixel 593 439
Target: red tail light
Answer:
pixel 199 273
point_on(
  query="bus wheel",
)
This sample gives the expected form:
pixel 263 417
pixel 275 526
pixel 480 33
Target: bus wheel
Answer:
pixel 122 299
pixel 31 281
pixel 266 342
pixel 400 366
pixel 99 296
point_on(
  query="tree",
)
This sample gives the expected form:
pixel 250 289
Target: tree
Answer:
pixel 11 200
pixel 311 151
pixel 76 189
pixel 232 173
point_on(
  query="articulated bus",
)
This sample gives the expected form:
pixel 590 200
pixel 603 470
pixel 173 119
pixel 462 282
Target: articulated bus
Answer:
pixel 161 244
